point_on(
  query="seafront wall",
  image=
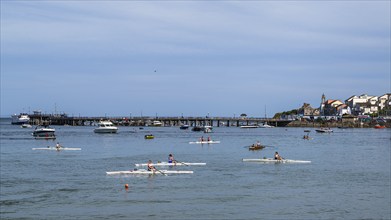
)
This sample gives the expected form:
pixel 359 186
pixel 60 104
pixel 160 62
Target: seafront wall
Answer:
pixel 341 124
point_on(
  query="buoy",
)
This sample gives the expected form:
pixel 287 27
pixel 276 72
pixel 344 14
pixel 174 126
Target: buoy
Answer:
pixel 126 186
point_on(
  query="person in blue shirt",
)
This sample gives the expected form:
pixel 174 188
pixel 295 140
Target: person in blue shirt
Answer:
pixel 171 159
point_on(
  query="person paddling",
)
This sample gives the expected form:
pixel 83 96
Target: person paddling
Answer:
pixel 150 166
pixel 277 156
pixel 58 146
pixel 171 159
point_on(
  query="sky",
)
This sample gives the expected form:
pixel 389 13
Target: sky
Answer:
pixel 190 58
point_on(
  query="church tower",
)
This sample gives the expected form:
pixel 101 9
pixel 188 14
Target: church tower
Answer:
pixel 322 105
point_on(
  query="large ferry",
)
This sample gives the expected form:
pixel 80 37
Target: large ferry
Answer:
pixel 22 118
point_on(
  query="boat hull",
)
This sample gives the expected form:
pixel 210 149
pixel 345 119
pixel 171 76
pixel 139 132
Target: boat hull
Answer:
pixel 105 130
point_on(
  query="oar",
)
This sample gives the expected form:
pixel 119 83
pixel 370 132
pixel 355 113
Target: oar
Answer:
pixel 182 163
pixel 161 172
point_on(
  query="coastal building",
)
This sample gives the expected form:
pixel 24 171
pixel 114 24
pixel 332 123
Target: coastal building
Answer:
pixel 330 107
pixel 366 104
pixel 307 110
pixel 385 101
pixel 343 109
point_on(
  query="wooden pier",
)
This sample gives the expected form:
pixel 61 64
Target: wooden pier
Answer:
pixel 48 119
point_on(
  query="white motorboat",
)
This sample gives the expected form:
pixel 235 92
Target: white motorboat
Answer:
pixel 157 123
pixel 26 126
pixel 265 125
pixel 106 127
pixel 44 132
pixel 22 118
pixel 249 126
pixel 324 130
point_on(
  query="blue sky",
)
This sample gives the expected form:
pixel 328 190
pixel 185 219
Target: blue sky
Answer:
pixel 113 58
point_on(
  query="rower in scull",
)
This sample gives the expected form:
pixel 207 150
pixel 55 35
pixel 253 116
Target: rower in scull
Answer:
pixel 277 156
pixel 150 167
pixel 171 159
pixel 58 146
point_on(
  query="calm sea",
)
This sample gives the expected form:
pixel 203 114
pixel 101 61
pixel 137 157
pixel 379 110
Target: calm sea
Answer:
pixel 349 177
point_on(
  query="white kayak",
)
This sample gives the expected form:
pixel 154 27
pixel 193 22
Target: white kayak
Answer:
pixel 54 148
pixel 204 142
pixel 143 171
pixel 171 164
pixel 272 160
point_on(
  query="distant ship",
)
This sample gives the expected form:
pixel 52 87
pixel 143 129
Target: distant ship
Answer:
pixel 20 119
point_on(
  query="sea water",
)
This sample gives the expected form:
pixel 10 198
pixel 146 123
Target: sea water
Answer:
pixel 349 177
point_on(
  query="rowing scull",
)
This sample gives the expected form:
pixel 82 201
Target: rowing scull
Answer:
pixel 171 164
pixel 143 171
pixel 204 142
pixel 272 160
pixel 54 148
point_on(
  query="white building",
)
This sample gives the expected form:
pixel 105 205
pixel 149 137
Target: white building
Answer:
pixel 367 104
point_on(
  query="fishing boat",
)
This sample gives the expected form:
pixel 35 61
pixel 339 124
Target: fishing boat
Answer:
pixel 171 164
pixel 324 130
pixel 54 148
pixel 272 160
pixel 22 118
pixel 44 132
pixel 144 171
pixel 204 142
pixel 106 127
pixel 149 136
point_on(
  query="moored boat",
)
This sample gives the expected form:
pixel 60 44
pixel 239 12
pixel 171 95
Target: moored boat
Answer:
pixel 25 125
pixel 106 127
pixel 184 127
pixel 324 130
pixel 157 123
pixel 379 126
pixel 265 125
pixel 197 128
pixel 149 136
pixel 44 132
pixel 144 171
pixel 22 118
pixel 249 126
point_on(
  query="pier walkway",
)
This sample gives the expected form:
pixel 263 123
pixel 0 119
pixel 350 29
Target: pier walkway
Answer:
pixel 49 119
